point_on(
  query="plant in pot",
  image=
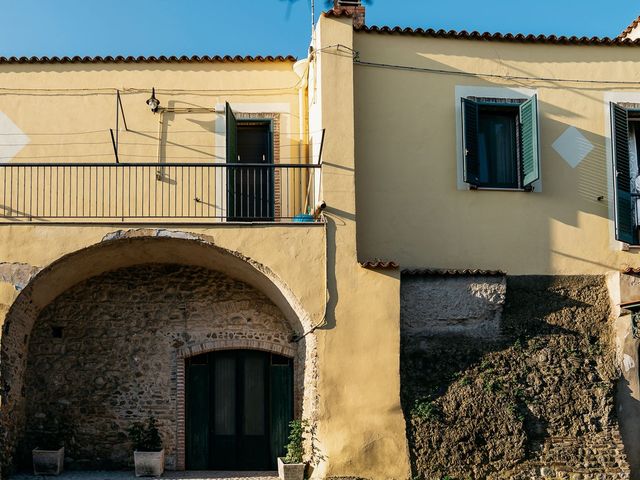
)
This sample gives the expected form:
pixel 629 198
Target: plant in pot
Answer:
pixel 53 432
pixel 291 466
pixel 148 454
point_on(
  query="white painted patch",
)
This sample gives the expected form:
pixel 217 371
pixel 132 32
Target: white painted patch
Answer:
pixel 156 232
pixel 572 146
pixel 628 362
pixel 12 139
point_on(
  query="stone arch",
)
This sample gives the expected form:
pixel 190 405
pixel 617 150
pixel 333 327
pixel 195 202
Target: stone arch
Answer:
pixel 124 250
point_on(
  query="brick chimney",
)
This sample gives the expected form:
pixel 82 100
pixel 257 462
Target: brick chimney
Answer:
pixel 351 7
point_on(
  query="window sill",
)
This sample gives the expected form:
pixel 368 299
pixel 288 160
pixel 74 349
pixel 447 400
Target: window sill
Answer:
pixel 499 189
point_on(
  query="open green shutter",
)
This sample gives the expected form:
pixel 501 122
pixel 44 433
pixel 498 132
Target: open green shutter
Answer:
pixel 232 135
pixel 232 157
pixel 529 141
pixel 625 231
pixel 470 141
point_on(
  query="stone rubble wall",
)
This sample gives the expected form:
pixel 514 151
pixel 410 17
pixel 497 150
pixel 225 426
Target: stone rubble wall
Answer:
pixel 115 362
pixel 440 305
pixel 535 400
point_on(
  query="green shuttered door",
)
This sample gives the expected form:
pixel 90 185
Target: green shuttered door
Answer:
pixel 239 405
pixel 281 408
pixel 529 141
pixel 625 231
pixel 197 391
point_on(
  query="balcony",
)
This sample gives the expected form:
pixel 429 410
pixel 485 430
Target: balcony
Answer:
pixel 187 193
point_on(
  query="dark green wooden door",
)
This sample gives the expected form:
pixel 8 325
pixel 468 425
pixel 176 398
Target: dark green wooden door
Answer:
pixel 239 404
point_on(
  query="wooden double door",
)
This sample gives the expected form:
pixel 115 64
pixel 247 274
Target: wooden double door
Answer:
pixel 238 407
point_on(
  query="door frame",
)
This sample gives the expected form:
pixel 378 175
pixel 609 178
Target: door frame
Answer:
pixel 216 345
pixel 240 119
pixel 277 119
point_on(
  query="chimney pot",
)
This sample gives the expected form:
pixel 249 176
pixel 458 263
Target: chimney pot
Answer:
pixel 353 8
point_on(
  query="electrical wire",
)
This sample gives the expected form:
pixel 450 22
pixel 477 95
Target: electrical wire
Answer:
pixel 323 319
pixel 135 144
pixel 106 130
pixel 463 73
pixel 56 133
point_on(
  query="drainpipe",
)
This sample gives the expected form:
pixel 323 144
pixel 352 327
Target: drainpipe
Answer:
pixel 301 69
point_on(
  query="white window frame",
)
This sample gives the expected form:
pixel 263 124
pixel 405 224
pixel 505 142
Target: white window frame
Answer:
pixel 615 97
pixel 465 91
pixel 220 136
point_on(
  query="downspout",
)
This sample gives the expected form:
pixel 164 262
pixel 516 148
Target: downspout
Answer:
pixel 301 68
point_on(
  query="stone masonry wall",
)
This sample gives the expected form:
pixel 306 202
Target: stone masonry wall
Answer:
pixel 104 354
pixel 535 400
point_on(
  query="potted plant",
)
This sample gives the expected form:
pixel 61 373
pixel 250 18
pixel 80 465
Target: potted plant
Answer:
pixel 52 434
pixel 291 467
pixel 148 454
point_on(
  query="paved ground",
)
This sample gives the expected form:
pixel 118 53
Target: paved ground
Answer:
pixel 128 475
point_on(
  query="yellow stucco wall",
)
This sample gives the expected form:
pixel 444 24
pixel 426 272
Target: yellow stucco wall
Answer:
pixel 359 376
pixel 68 109
pixel 410 208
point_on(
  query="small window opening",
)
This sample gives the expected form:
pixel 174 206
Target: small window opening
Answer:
pixel 56 332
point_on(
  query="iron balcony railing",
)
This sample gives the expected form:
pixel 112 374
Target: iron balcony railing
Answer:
pixel 175 192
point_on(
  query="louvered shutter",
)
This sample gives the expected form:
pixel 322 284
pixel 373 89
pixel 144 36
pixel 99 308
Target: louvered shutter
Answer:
pixel 529 141
pixel 232 157
pixel 625 230
pixel 470 141
pixel 232 135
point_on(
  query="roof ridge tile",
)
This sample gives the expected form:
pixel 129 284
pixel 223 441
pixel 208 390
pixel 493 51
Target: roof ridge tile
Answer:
pixel 498 36
pixel 146 59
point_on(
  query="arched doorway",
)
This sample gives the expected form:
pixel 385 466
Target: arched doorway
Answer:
pixel 235 304
pixel 238 407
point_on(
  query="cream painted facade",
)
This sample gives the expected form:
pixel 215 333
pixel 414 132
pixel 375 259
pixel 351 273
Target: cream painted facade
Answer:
pixel 410 184
pixel 381 112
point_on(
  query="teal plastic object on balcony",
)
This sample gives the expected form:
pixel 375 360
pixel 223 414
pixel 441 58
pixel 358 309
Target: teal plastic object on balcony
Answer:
pixel 303 217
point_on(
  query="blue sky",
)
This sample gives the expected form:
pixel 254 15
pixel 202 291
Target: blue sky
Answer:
pixel 252 27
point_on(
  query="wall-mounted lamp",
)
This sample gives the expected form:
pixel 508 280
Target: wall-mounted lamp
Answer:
pixel 153 102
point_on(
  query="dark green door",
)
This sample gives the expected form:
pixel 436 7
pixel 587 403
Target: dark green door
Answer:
pixel 239 404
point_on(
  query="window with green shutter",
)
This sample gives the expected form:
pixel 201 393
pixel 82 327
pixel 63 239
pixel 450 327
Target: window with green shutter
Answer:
pixel 624 186
pixel 500 143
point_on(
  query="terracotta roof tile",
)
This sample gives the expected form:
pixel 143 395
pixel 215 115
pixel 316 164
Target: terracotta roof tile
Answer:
pixel 500 37
pixel 625 33
pixel 149 59
pixel 379 264
pixel 436 272
pixel 338 13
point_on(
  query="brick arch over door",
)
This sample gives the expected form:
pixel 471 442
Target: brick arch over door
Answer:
pixel 124 252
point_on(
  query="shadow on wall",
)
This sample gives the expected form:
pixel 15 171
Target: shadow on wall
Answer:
pixel 539 394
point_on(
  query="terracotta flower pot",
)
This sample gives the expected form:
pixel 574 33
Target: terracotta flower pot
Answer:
pixel 47 462
pixel 149 464
pixel 290 471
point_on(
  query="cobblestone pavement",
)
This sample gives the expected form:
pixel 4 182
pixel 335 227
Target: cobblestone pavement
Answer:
pixel 129 475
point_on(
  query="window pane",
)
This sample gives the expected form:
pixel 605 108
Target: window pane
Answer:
pixel 225 395
pixel 497 149
pixel 254 414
